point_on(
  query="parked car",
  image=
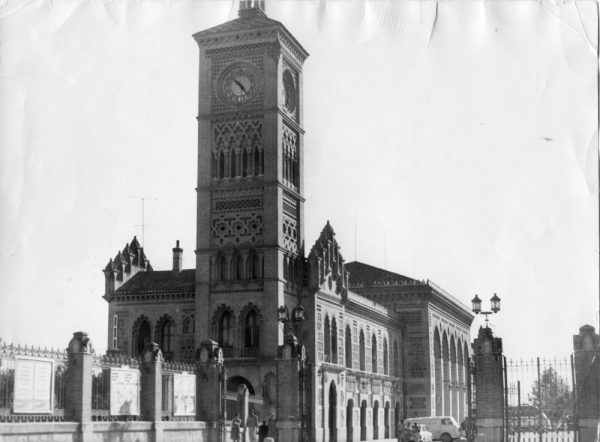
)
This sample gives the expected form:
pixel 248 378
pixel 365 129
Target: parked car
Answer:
pixel 418 434
pixel 442 428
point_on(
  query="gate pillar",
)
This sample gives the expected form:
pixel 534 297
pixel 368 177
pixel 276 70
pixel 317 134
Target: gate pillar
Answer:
pixel 210 380
pixel 489 384
pixel 587 381
pixel 289 412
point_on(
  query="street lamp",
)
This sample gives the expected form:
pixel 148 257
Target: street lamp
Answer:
pixel 495 307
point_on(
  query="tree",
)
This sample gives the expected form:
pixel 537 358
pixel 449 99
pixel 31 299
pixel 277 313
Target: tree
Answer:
pixel 552 394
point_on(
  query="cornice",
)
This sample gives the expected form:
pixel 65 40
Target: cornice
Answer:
pixel 259 35
pixel 151 298
pixel 251 113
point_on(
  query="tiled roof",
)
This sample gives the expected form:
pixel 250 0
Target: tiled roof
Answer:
pixel 159 282
pixel 365 275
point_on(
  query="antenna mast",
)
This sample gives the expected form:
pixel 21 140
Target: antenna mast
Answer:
pixel 143 225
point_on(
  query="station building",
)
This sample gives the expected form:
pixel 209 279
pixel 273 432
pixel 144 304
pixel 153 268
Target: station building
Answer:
pixel 381 346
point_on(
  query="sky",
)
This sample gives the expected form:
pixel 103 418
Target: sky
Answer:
pixel 449 141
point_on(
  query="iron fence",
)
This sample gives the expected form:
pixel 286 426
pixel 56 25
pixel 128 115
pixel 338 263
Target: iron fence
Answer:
pixel 169 370
pixel 9 354
pixel 540 400
pixel 101 394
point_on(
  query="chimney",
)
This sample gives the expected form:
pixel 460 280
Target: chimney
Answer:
pixel 177 257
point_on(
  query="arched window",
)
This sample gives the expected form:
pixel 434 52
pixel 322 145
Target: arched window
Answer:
pixel 334 343
pixel 244 162
pixel 256 161
pixel 221 164
pixel 167 332
pixel 327 330
pixel 374 354
pixel 233 163
pixel 186 325
pixel 142 335
pixel 348 347
pixel 239 267
pixel 362 356
pixel 385 356
pixel 253 266
pixel 251 330
pixel 396 360
pixel 225 329
pixel 223 268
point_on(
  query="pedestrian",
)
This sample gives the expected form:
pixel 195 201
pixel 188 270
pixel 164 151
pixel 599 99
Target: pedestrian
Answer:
pixel 271 425
pixel 263 431
pixel 252 425
pixel 236 422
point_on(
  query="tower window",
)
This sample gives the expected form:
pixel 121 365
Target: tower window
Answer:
pixel 251 330
pixel 223 268
pixel 225 329
pixel 221 165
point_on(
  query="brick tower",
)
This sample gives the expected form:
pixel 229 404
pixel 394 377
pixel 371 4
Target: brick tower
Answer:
pixel 250 184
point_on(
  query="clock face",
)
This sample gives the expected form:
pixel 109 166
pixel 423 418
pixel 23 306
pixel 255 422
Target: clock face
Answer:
pixel 239 83
pixel 289 92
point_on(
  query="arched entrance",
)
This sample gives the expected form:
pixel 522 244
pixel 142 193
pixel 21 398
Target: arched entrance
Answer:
pixel 349 420
pixel 363 420
pixel 235 382
pixel 332 412
pixel 386 420
pixel 376 420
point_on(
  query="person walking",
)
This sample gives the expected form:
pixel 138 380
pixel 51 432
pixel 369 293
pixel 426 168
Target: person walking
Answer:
pixel 236 422
pixel 252 425
pixel 271 425
pixel 263 431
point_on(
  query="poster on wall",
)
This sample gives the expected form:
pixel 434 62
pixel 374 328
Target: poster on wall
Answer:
pixel 184 394
pixel 124 391
pixel 34 388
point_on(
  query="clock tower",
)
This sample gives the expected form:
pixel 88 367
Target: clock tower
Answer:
pixel 249 254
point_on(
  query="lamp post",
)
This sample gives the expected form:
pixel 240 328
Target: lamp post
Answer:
pixel 495 307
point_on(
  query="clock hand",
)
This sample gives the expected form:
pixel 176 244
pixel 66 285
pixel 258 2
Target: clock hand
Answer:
pixel 241 86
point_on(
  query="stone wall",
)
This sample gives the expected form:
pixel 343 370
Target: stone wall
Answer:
pixel 110 431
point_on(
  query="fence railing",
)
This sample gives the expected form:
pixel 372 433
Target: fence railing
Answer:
pixel 9 354
pixel 540 401
pixel 101 394
pixel 169 371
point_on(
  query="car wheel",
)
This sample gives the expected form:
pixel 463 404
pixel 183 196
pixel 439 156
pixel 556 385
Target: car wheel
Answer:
pixel 446 438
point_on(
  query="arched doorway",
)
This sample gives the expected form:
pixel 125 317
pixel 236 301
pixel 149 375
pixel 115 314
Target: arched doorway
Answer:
pixel 235 382
pixel 142 336
pixel 349 420
pixel 363 420
pixel 376 420
pixel 332 412
pixel 386 420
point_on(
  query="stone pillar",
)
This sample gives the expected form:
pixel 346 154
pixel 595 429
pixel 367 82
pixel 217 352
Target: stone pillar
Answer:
pixel 242 401
pixel 210 379
pixel 78 401
pixel 587 381
pixel 289 413
pixel 151 383
pixel 489 384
